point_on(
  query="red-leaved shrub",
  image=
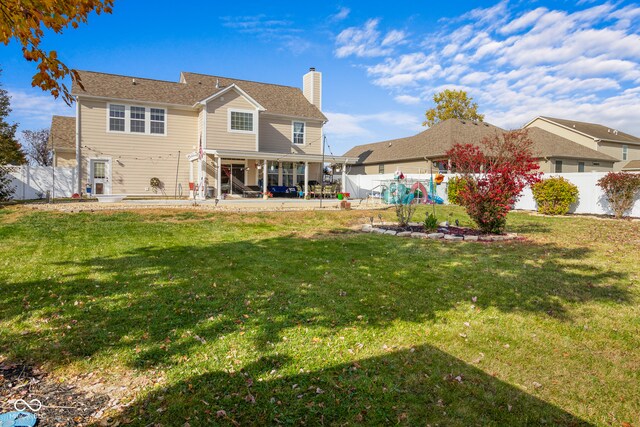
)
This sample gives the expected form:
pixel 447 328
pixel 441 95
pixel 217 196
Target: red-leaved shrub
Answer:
pixel 621 189
pixel 495 173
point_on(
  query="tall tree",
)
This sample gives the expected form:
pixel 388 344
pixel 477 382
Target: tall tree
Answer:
pixel 452 104
pixel 10 149
pixel 38 150
pixel 26 22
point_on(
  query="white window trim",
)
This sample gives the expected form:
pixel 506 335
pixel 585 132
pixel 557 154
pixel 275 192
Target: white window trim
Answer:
pixel 304 135
pixel 237 110
pixel 127 119
pixel 625 152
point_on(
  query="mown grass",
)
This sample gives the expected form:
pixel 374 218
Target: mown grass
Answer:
pixel 292 318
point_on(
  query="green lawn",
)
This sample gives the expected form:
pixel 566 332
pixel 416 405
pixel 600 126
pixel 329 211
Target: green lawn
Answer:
pixel 292 318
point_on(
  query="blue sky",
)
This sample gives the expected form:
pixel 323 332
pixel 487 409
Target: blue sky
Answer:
pixel 381 61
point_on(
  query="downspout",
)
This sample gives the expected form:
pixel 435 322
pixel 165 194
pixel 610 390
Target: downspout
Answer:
pixel 78 155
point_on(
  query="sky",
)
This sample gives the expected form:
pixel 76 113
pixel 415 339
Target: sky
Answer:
pixel 381 61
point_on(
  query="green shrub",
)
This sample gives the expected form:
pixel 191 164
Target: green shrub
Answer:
pixel 554 195
pixel 454 186
pixel 430 222
pixel 621 189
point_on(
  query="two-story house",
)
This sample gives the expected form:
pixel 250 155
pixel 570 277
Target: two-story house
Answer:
pixel 214 135
pixel 613 142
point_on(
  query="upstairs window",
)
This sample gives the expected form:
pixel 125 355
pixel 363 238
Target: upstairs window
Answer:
pixel 241 121
pixel 137 119
pixel 298 133
pixel 116 118
pixel 157 121
pixel 625 152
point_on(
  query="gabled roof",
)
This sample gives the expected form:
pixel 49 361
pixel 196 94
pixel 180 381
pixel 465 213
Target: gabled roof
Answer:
pixel 434 142
pixel 595 130
pixel 62 135
pixel 276 99
pixel 431 143
pixel 633 165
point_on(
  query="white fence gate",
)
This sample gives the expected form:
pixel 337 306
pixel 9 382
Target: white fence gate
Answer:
pixel 591 199
pixel 35 182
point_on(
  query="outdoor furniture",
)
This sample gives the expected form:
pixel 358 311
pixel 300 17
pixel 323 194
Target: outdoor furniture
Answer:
pixel 282 191
pixel 252 191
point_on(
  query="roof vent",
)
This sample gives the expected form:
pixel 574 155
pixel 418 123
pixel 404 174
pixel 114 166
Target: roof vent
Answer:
pixel 217 84
pixel 574 126
pixel 133 81
pixel 608 130
pixel 615 131
pixel 390 144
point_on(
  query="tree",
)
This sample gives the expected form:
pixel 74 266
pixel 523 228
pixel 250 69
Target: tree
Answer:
pixel 452 104
pixel 10 149
pixel 26 22
pixel 38 150
pixel 494 174
pixel 621 189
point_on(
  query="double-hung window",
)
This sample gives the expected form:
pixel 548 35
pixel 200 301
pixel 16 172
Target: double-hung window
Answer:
pixel 558 166
pixel 241 121
pixel 625 152
pixel 137 119
pixel 116 118
pixel 298 133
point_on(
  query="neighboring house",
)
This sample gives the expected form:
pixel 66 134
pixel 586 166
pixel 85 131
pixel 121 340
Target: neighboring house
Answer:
pixel 426 151
pixel 62 141
pixel 625 148
pixel 220 134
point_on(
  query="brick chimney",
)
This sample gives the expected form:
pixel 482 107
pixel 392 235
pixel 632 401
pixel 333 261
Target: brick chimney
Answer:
pixel 312 87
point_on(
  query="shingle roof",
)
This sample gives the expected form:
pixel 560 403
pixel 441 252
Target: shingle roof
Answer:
pixel 633 165
pixel 62 135
pixel 595 130
pixel 434 142
pixel 277 99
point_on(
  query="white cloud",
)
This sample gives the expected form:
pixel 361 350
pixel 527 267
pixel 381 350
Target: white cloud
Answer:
pixel 342 14
pixel 366 41
pixel 408 99
pixel 582 64
pixel 33 110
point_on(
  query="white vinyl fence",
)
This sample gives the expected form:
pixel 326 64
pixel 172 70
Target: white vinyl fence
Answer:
pixel 591 199
pixel 35 182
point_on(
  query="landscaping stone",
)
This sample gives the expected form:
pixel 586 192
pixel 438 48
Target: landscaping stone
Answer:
pixel 435 235
pixel 391 232
pixel 485 238
pixel 378 230
pixel 452 237
pixel 404 234
pixel 419 235
pixel 471 238
pixel 367 228
pixel 414 224
pixel 498 238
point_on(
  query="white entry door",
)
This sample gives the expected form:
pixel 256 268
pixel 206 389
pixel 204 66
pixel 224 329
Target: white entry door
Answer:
pixel 100 176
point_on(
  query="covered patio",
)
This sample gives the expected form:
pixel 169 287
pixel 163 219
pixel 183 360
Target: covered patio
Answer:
pixel 225 174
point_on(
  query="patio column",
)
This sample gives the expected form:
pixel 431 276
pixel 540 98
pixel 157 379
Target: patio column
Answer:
pixel 191 195
pixel 306 179
pixel 344 178
pixel 219 177
pixel 264 178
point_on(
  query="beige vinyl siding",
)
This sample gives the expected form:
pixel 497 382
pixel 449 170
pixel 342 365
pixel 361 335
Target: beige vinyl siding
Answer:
pixel 218 135
pixel 276 135
pixel 65 159
pixel 614 149
pixel 571 165
pixel 565 133
pixel 408 166
pixel 131 167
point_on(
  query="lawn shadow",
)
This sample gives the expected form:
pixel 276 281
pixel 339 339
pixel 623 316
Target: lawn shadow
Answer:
pixel 417 386
pixel 157 304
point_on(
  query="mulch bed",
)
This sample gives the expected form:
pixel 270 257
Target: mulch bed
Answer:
pixel 456 231
pixel 63 405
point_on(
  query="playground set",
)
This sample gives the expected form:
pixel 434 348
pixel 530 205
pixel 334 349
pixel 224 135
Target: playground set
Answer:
pixel 402 190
